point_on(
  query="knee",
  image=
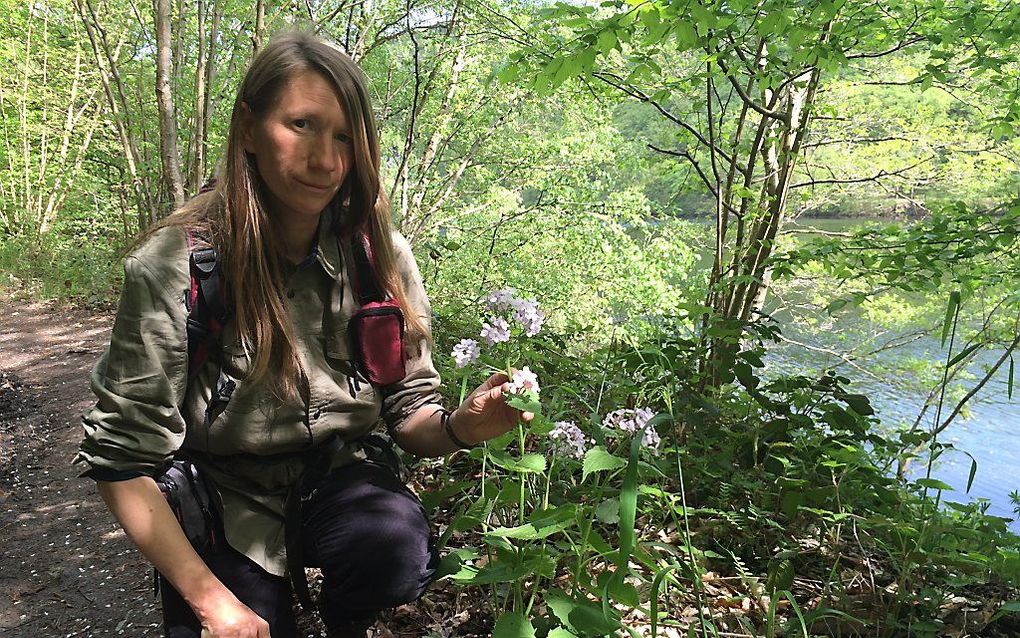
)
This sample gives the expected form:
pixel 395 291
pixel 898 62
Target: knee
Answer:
pixel 390 558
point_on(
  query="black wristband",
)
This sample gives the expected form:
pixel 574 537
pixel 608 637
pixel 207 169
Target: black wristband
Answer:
pixel 444 418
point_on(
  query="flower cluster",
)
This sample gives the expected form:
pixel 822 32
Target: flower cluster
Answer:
pixel 496 330
pixel 523 311
pixel 524 381
pixel 465 352
pixel 633 421
pixel 629 421
pixel 505 307
pixel 569 438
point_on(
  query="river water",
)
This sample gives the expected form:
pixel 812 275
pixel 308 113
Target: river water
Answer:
pixel 897 381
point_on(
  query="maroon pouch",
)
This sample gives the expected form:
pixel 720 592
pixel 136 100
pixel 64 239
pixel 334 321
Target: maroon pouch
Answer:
pixel 377 336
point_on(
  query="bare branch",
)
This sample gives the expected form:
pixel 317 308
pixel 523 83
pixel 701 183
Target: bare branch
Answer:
pixel 889 51
pixel 858 180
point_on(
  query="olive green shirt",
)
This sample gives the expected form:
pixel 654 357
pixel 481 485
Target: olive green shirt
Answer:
pixel 253 451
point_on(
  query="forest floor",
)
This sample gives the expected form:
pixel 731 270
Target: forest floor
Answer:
pixel 66 567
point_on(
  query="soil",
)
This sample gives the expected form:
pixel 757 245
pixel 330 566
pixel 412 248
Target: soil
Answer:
pixel 66 567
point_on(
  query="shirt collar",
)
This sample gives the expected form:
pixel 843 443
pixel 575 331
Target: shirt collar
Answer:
pixel 327 248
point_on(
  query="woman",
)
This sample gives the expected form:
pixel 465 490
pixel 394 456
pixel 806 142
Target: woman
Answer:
pixel 281 408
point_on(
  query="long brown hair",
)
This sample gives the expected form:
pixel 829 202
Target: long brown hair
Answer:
pixel 235 219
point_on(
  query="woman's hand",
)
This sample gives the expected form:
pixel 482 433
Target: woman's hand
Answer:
pixel 227 617
pixel 485 413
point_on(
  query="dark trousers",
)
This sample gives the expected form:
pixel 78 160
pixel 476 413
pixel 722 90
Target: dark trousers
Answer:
pixel 364 529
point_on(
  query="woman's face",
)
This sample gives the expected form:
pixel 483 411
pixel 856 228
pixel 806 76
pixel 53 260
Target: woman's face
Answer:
pixel 303 148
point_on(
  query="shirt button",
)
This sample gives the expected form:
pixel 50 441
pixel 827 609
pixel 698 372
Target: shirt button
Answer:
pixel 290 294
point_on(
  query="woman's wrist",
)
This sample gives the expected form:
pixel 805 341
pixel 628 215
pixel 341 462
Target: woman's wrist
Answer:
pixel 447 422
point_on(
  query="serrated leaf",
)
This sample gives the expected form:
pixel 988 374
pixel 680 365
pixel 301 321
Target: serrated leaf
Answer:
pixel 524 404
pixel 543 524
pixel 529 463
pixel 598 459
pixel 607 41
pixel 560 632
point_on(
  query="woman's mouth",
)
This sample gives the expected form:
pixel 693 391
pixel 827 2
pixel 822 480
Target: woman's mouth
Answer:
pixel 316 187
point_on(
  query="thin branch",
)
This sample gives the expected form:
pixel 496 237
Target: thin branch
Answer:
pixel 858 180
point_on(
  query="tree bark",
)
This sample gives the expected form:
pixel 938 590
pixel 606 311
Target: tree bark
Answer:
pixel 169 156
pixel 198 135
pixel 260 26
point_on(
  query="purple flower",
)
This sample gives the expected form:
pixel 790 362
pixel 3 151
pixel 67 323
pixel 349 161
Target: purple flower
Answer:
pixel 523 381
pixel 496 330
pixel 465 352
pixel 524 311
pixel 500 300
pixel 628 420
pixel 634 421
pixel 651 439
pixel 527 314
pixel 569 438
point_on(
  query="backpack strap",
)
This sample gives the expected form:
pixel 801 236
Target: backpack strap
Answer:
pixel 363 280
pixel 207 313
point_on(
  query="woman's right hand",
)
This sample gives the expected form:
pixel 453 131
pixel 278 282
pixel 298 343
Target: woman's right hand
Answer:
pixel 230 618
pixel 142 511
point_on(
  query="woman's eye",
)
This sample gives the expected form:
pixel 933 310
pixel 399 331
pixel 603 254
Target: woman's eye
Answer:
pixel 300 123
pixel 345 138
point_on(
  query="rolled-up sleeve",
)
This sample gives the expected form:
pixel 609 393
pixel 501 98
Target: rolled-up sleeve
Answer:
pixel 136 425
pixel 419 385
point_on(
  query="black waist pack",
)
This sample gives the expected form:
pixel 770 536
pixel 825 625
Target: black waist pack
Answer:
pixel 188 497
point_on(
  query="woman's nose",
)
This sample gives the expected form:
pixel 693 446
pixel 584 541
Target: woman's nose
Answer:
pixel 323 155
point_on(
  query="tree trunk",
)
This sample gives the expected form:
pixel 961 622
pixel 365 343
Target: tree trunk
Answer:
pixel 169 155
pixel 260 26
pixel 195 175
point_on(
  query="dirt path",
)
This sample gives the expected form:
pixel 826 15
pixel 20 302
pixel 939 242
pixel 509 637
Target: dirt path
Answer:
pixel 66 568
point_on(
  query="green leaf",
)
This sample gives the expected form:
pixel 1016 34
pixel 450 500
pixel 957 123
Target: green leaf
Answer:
pixel 686 35
pixel 836 306
pixel 513 624
pixel 859 404
pixel 608 511
pixel 1002 131
pixel 973 473
pixel 951 310
pixel 607 41
pixel 628 507
pixel 934 484
pixel 454 564
pixel 543 524
pixel 1008 607
pixel 582 617
pixel 963 354
pixel 560 632
pixel 654 602
pixel 524 404
pixel 598 459
pixel 624 593
pixel 529 463
pixel 533 463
